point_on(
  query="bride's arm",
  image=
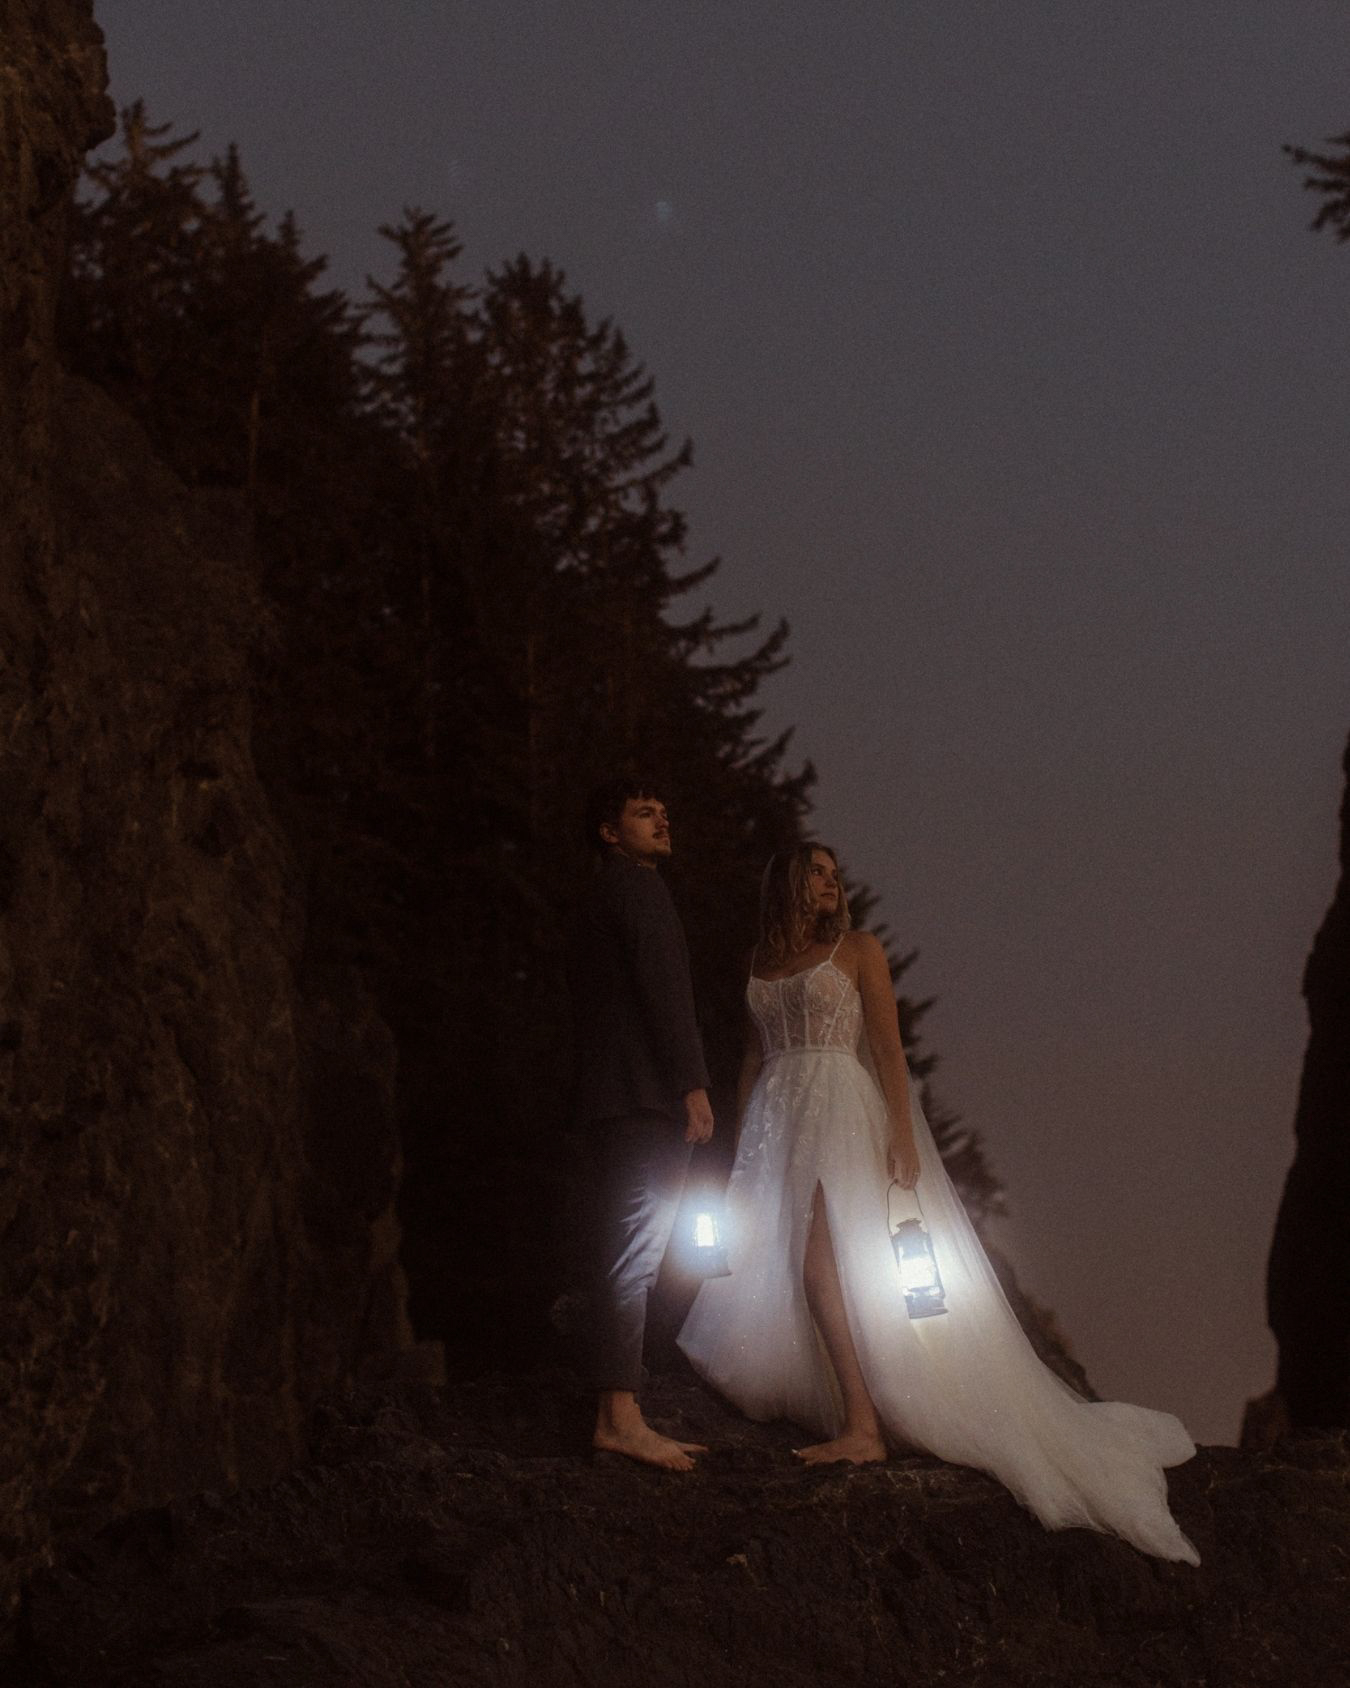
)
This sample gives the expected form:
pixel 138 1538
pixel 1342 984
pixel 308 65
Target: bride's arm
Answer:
pixel 882 1022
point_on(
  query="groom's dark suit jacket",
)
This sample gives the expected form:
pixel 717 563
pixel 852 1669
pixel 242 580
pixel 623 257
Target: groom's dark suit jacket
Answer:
pixel 637 1036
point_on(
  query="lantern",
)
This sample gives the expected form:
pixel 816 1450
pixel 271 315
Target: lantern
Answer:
pixel 708 1255
pixel 920 1278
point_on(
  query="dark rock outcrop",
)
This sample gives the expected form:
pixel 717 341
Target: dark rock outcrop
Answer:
pixel 468 1536
pixel 1308 1286
pixel 198 1157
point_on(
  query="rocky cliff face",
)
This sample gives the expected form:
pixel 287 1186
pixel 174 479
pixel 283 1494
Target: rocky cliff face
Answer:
pixel 1309 1279
pixel 467 1536
pixel 198 1160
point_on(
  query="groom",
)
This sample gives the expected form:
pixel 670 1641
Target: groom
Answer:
pixel 643 1090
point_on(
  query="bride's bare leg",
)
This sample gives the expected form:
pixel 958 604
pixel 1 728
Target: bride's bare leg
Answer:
pixel 861 1440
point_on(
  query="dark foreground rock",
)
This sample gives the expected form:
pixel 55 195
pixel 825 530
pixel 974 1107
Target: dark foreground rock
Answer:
pixel 1308 1285
pixel 468 1536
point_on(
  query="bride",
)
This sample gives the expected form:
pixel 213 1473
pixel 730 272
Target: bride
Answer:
pixel 812 1325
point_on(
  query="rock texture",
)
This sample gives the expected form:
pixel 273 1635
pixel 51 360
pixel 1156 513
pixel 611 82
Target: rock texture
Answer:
pixel 198 1156
pixel 1309 1277
pixel 440 1539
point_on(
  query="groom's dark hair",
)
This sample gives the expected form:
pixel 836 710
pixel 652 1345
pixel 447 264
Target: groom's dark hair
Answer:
pixel 605 804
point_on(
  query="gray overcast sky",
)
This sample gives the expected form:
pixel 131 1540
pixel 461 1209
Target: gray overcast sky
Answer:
pixel 1017 383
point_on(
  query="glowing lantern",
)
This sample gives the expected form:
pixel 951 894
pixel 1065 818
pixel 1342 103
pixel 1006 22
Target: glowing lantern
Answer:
pixel 709 1255
pixel 920 1278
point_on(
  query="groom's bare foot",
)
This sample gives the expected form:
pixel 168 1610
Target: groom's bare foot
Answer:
pixel 857 1447
pixel 642 1443
pixel 621 1429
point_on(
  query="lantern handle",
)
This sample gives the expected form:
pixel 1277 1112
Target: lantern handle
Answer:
pixel 895 1184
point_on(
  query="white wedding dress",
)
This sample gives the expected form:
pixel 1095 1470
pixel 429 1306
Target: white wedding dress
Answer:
pixel 965 1385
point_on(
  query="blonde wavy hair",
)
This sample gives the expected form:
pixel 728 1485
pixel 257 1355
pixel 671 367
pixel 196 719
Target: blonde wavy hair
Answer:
pixel 788 921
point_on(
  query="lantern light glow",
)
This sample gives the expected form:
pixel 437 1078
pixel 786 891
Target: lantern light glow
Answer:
pixel 918 1272
pixel 916 1263
pixel 708 1255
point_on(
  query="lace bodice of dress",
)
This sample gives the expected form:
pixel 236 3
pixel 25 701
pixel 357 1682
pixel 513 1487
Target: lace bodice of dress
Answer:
pixel 818 1008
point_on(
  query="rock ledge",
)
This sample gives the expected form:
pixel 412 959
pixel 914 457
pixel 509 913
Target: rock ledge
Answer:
pixel 467 1535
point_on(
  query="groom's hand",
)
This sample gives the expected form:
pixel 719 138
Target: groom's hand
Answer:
pixel 698 1117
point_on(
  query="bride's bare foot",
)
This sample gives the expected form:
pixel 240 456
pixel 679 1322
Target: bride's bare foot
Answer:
pixel 858 1447
pixel 641 1442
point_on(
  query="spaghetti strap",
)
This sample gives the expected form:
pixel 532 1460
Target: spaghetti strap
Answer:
pixel 835 951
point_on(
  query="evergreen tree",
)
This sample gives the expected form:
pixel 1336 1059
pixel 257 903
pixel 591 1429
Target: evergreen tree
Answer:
pixel 423 386
pixel 580 459
pixel 135 257
pixel 1329 176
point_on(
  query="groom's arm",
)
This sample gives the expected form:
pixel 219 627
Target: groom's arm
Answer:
pixel 658 960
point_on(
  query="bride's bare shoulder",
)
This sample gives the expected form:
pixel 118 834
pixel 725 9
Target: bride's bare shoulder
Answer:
pixel 862 952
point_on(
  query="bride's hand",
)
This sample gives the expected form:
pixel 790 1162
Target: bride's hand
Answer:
pixel 902 1162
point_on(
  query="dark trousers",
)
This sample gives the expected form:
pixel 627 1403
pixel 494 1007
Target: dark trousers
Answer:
pixel 641 1162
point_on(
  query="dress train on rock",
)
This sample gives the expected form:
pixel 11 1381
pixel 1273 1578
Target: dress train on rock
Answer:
pixel 965 1385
